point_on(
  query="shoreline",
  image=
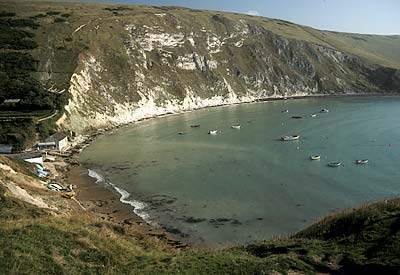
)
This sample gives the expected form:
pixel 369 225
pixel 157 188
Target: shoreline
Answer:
pixel 105 201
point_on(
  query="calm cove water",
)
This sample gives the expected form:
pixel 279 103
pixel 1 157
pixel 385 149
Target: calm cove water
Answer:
pixel 245 185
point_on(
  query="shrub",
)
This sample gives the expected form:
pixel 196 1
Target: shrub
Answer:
pixel 7 14
pixel 16 39
pixel 60 20
pixel 53 13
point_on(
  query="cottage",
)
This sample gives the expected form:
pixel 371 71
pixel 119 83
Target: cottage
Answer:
pixel 30 157
pixel 58 141
pixel 5 149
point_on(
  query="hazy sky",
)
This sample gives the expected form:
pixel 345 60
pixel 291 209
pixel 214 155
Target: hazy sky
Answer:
pixel 361 16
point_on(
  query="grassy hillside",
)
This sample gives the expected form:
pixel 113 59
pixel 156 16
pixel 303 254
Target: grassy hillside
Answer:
pixel 380 49
pixel 36 241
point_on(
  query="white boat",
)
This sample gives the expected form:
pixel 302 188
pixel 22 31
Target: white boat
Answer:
pixel 315 157
pixel 213 132
pixel 313 115
pixel 334 164
pixel 324 111
pixel 288 138
pixel 235 126
pixel 362 161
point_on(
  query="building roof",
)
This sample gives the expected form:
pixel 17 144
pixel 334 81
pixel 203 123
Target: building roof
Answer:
pixel 12 100
pixel 27 155
pixel 56 137
pixel 5 146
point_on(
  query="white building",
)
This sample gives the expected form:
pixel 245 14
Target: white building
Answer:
pixel 58 141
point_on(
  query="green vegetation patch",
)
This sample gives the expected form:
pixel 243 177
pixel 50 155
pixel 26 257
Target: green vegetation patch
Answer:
pixel 18 127
pixel 19 23
pixel 17 83
pixel 18 132
pixel 16 39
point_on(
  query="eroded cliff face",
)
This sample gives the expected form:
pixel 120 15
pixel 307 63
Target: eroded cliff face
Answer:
pixel 171 66
pixel 128 63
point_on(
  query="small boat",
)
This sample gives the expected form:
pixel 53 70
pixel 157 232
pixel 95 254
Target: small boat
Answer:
pixel 182 133
pixel 324 111
pixel 297 117
pixel 313 115
pixel 195 126
pixel 315 157
pixel 235 126
pixel 362 161
pixel 285 111
pixel 213 132
pixel 334 164
pixel 288 138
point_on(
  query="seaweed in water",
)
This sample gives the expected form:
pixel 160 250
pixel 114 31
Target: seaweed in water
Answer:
pixel 192 219
pixel 223 221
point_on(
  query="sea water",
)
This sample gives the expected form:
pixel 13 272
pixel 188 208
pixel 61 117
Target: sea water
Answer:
pixel 243 185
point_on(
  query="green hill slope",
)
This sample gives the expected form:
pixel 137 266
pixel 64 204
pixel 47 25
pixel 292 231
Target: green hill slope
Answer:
pixel 120 63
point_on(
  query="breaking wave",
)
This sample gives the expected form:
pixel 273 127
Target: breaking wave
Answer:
pixel 138 206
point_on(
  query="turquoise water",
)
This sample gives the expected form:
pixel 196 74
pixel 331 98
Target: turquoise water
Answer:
pixel 245 185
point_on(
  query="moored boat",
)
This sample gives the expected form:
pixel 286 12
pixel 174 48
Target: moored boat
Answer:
pixel 316 157
pixel 334 164
pixel 181 133
pixel 313 115
pixel 235 126
pixel 297 117
pixel 362 161
pixel 213 132
pixel 324 111
pixel 285 111
pixel 195 126
pixel 288 138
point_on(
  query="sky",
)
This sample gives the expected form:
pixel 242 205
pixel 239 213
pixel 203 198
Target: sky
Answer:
pixel 357 16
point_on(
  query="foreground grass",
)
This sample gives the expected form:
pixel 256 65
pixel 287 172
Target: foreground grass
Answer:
pixel 33 241
pixel 364 241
